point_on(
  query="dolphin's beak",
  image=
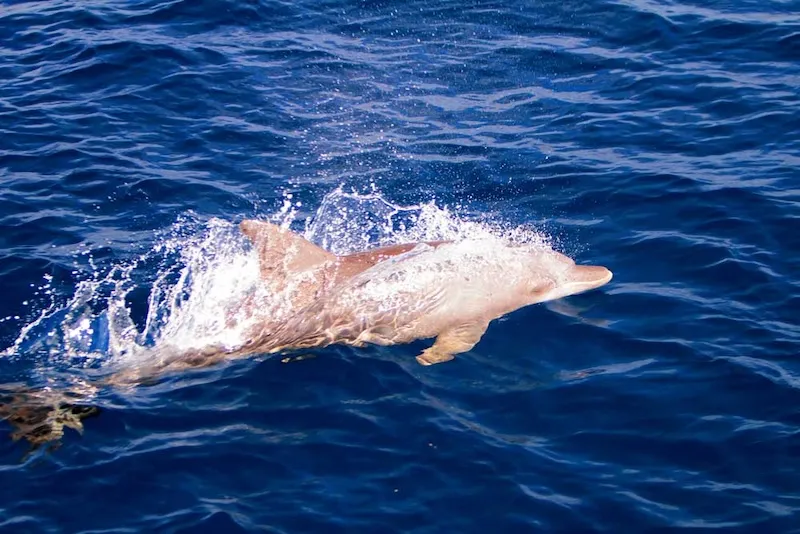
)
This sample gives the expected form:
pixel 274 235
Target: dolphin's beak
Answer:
pixel 586 277
pixel 577 279
pixel 581 278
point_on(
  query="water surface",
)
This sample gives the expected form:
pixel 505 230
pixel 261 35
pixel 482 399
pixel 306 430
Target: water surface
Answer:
pixel 657 138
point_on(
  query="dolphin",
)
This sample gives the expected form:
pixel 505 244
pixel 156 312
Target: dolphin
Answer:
pixel 450 291
pixel 447 290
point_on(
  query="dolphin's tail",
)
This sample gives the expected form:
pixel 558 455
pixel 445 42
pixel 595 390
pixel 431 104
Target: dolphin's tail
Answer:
pixel 39 416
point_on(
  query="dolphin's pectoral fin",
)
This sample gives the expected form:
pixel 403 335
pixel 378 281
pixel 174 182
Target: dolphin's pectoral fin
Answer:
pixel 431 356
pixel 451 342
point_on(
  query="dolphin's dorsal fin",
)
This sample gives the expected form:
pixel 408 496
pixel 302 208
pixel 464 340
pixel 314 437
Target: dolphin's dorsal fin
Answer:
pixel 282 252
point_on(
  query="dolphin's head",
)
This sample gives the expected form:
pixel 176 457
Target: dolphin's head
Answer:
pixel 563 277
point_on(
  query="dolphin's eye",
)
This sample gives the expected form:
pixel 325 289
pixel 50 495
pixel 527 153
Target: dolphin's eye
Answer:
pixel 539 286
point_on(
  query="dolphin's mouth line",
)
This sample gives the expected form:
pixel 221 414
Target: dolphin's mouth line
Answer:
pixel 580 287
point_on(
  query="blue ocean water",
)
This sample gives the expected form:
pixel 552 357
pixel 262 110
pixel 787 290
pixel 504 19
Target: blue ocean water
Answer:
pixel 659 138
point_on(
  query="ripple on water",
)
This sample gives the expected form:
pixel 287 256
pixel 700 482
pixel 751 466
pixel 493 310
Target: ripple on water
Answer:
pixel 656 138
